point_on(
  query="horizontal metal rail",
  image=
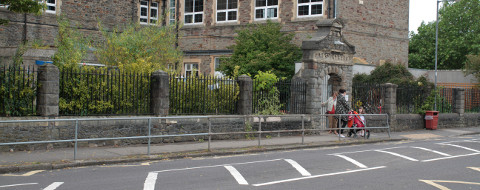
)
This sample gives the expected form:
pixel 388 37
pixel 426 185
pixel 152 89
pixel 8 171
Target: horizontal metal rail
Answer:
pixel 259 132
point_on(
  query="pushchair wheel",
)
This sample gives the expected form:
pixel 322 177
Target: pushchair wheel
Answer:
pixel 368 134
pixel 349 134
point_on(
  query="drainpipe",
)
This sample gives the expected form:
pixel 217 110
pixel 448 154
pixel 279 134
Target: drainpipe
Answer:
pixel 164 6
pixel 329 8
pixel 177 19
pixel 24 28
pixel 133 10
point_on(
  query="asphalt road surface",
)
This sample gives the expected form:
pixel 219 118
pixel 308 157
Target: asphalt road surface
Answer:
pixel 445 163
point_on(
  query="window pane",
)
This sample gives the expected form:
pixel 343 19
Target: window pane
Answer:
pixel 172 3
pixel 198 5
pixel 303 1
pixel 221 4
pixel 189 6
pixel 143 11
pixel 316 9
pixel 272 2
pixel 198 18
pixel 303 10
pixel 51 8
pixel 188 18
pixel 317 0
pixel 260 3
pixel 232 15
pixel 144 3
pixel 51 1
pixel 221 16
pixel 154 5
pixel 153 13
pixel 232 4
pixel 272 13
pixel 143 20
pixel 259 13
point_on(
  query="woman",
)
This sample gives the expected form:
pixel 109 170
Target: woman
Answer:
pixel 342 108
pixel 331 103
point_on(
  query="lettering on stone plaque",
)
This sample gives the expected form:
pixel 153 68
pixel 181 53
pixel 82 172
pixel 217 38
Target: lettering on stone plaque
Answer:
pixel 329 56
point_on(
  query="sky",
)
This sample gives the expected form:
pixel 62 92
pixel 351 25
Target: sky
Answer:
pixel 421 10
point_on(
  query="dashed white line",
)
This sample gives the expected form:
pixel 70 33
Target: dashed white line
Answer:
pixel 298 167
pixel 454 145
pixel 317 176
pixel 21 184
pixel 214 166
pixel 150 181
pixel 240 179
pixel 444 158
pixel 434 151
pixel 352 161
pixel 399 155
pixel 53 186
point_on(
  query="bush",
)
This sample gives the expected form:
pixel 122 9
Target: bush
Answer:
pixel 268 95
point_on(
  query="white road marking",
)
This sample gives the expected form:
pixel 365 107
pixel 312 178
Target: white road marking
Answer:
pixel 53 186
pixel 240 179
pixel 441 187
pixel 360 151
pixel 451 157
pixel 150 181
pixel 434 151
pixel 21 184
pixel 466 148
pixel 317 176
pixel 352 161
pixel 399 155
pixel 214 166
pixel 298 167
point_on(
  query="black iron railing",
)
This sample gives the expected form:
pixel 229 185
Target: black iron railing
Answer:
pixel 411 98
pixel 202 95
pixel 103 91
pixel 286 96
pixel 18 90
pixel 472 100
pixel 369 96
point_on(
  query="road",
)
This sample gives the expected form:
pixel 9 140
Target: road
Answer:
pixel 444 163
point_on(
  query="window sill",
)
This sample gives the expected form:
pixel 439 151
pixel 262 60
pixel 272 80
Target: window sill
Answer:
pixel 308 18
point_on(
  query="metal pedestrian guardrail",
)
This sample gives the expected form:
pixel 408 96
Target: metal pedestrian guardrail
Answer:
pixel 255 118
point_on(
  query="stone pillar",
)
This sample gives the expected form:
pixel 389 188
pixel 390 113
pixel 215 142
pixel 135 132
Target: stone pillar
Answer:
pixel 459 100
pixel 245 99
pixel 160 93
pixel 48 90
pixel 390 104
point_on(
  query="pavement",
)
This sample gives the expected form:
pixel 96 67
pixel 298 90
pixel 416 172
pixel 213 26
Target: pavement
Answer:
pixel 21 161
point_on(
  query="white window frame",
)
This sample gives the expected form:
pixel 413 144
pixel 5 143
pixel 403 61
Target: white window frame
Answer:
pixel 226 11
pixel 172 13
pixel 193 14
pixel 54 5
pixel 189 67
pixel 309 9
pixel 149 9
pixel 265 10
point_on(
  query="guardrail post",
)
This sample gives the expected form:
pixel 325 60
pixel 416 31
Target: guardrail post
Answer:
pixel 259 130
pixel 76 140
pixel 209 133
pixel 149 134
pixel 303 128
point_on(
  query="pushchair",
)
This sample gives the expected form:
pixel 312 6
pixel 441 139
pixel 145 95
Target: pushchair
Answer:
pixel 355 121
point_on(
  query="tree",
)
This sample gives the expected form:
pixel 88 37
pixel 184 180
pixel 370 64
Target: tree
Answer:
pixel 140 48
pixel 263 47
pixel 473 66
pixel 22 6
pixel 458 36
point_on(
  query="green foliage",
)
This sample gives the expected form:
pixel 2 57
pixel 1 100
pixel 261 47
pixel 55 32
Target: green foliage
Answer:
pixel 200 95
pixel 22 6
pixel 263 47
pixel 249 128
pixel 429 103
pixel 140 48
pixel 458 36
pixel 390 73
pixel 268 102
pixel 71 45
pixel 473 66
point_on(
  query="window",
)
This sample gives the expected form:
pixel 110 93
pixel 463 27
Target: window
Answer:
pixel 191 69
pixel 193 11
pixel 218 61
pixel 227 10
pixel 265 9
pixel 310 8
pixel 148 12
pixel 50 5
pixel 172 12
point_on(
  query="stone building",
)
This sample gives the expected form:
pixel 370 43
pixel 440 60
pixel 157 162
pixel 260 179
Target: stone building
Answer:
pixel 377 28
